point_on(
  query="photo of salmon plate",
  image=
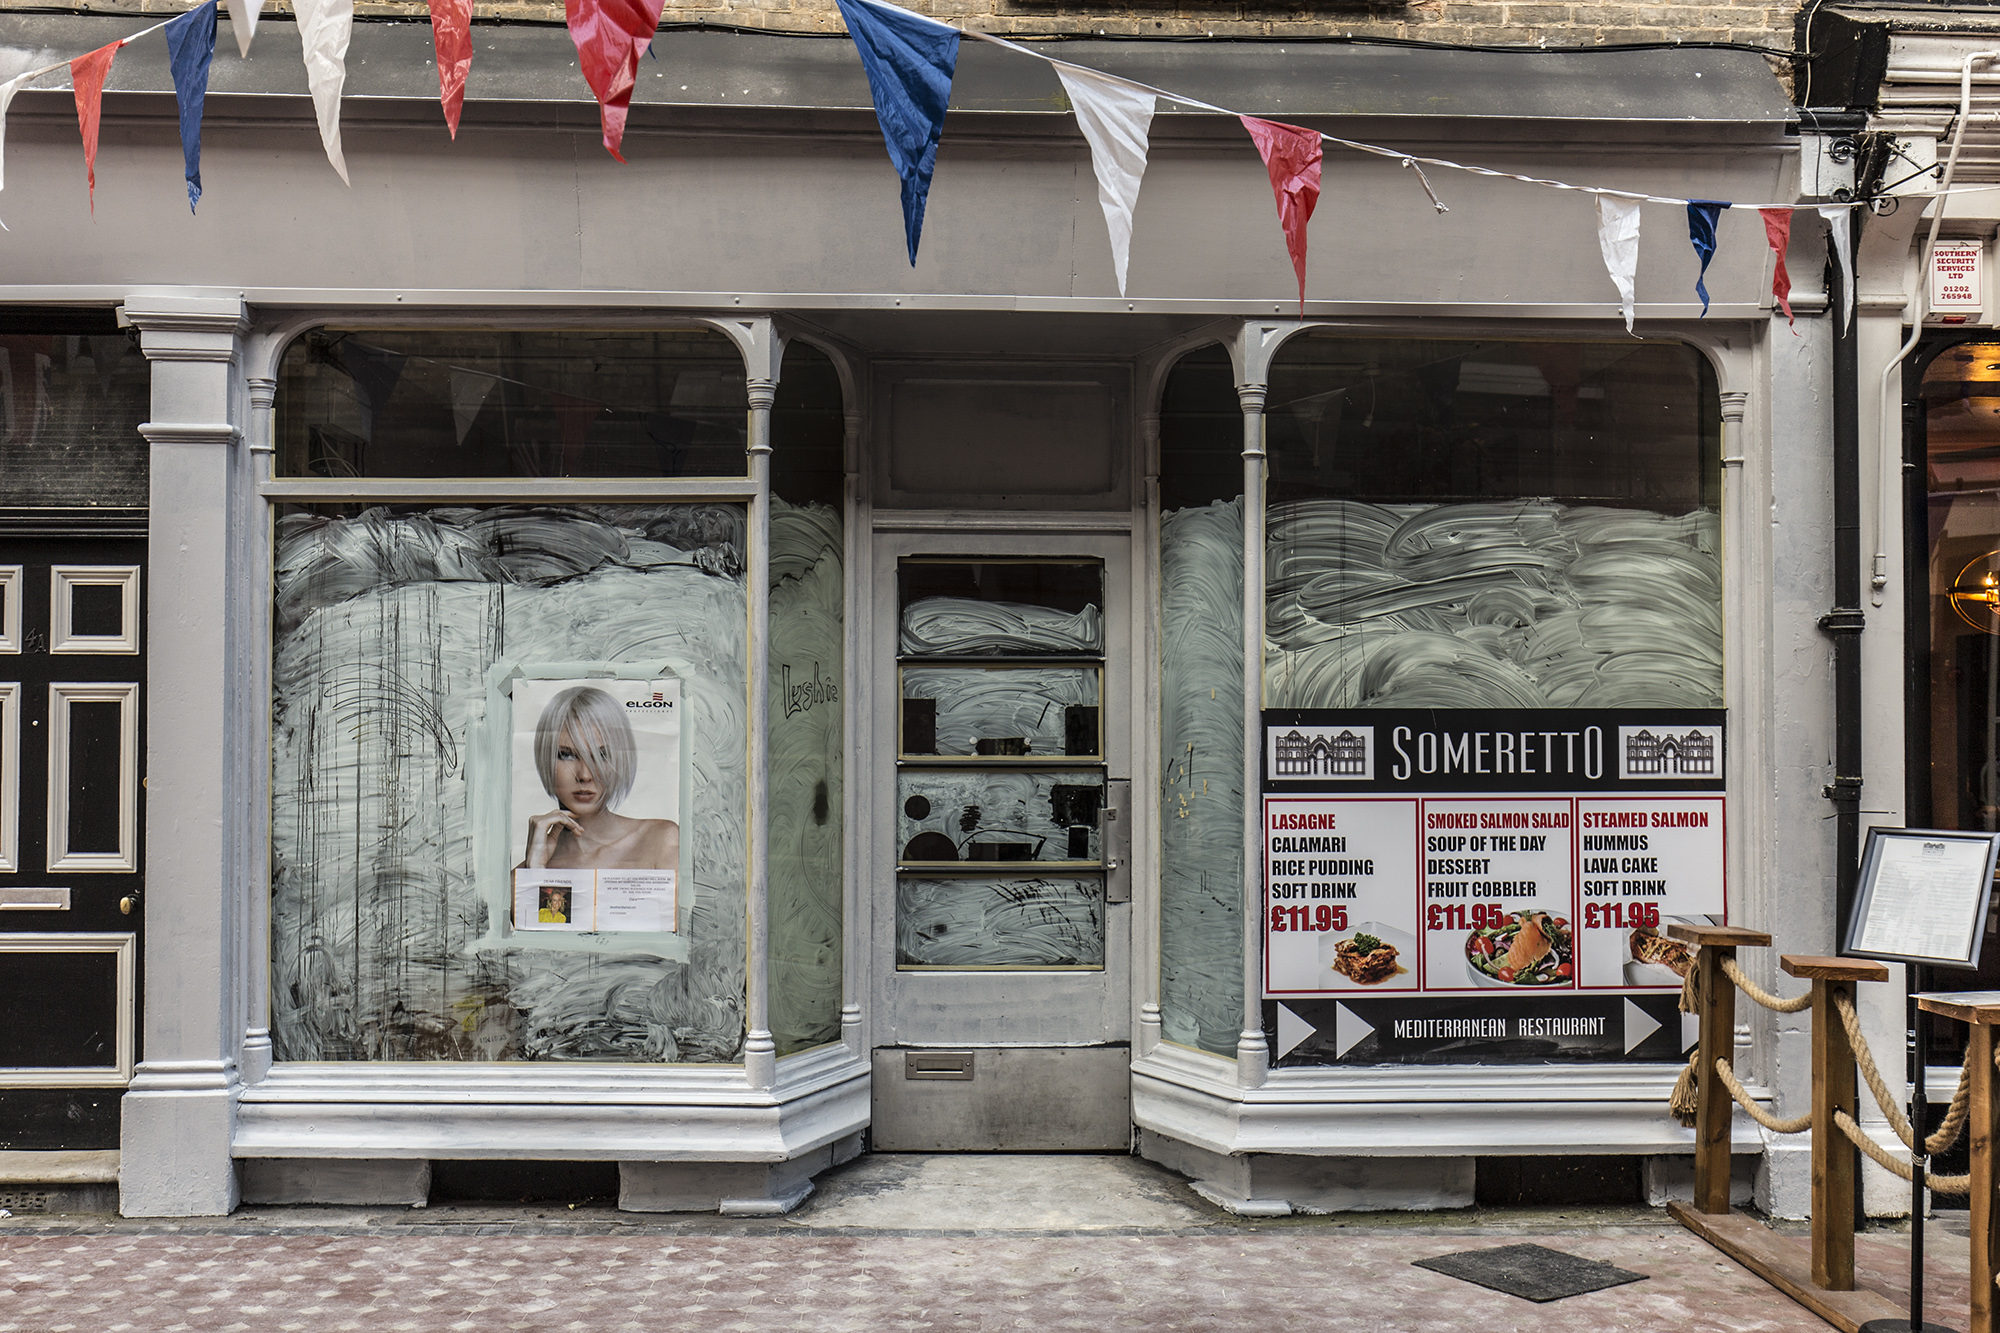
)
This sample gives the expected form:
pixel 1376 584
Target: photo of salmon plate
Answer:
pixel 1529 948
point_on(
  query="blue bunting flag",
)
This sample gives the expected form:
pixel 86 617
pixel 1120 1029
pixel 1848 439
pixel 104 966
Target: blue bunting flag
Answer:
pixel 910 61
pixel 190 47
pixel 1702 216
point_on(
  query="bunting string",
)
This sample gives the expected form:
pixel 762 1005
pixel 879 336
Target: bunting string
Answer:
pixel 910 60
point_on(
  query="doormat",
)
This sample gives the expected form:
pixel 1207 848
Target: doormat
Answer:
pixel 1532 1272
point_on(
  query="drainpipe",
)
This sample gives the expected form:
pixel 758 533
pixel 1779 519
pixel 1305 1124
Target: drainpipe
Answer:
pixel 1846 620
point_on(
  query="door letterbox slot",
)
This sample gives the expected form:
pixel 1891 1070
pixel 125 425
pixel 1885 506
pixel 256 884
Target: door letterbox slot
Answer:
pixel 34 900
pixel 938 1065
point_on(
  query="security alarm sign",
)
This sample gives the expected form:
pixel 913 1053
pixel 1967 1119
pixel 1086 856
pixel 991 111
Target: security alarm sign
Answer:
pixel 1956 286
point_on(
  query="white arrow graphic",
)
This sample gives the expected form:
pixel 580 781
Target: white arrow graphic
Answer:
pixel 1639 1025
pixel 1291 1031
pixel 1349 1030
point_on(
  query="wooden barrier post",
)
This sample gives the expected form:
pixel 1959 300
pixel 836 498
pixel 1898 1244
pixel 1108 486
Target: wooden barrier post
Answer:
pixel 1836 1162
pixel 1981 1129
pixel 1716 1108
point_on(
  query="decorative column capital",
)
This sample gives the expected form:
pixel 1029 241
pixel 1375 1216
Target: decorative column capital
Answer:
pixel 1251 396
pixel 187 328
pixel 763 393
pixel 1735 402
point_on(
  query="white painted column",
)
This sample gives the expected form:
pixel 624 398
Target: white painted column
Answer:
pixel 180 1111
pixel 760 1052
pixel 1145 804
pixel 252 599
pixel 1253 1052
pixel 856 553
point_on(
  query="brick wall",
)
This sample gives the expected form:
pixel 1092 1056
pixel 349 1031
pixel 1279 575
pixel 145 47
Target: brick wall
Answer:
pixel 1456 21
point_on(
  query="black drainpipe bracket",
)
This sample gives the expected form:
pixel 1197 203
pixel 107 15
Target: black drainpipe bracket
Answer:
pixel 1844 620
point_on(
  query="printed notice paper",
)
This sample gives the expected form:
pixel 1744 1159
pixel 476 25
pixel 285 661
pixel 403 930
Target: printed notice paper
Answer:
pixel 1924 898
pixel 595 900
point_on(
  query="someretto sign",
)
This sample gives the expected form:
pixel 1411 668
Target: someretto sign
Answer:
pixel 1513 855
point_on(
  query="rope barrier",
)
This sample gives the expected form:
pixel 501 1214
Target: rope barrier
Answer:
pixel 1883 1158
pixel 1762 996
pixel 1796 1125
pixel 1953 1123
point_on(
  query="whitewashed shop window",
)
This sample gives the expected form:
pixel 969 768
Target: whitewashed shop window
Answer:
pixel 451 682
pixel 93 777
pixel 808 700
pixel 1466 540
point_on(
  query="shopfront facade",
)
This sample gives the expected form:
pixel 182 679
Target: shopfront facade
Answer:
pixel 1019 717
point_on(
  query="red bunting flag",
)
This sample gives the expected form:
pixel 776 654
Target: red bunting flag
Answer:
pixel 451 33
pixel 1778 231
pixel 610 36
pixel 86 78
pixel 1292 156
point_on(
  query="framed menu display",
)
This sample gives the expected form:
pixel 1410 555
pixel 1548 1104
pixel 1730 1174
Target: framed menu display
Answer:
pixel 1923 896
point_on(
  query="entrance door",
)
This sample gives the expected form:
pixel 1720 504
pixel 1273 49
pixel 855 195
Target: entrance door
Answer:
pixel 1001 911
pixel 70 825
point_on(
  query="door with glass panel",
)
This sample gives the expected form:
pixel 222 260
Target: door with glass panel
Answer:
pixel 1000 883
pixel 71 737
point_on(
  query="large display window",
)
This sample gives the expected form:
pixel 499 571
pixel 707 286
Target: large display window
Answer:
pixel 1493 760
pixel 510 741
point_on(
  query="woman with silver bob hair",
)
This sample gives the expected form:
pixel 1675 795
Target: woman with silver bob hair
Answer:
pixel 588 759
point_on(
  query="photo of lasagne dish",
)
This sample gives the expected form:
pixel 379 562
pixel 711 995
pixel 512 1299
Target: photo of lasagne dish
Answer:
pixel 1366 960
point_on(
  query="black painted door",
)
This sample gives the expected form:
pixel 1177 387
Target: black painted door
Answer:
pixel 72 747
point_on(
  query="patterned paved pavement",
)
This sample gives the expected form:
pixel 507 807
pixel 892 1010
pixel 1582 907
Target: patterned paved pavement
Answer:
pixel 485 1268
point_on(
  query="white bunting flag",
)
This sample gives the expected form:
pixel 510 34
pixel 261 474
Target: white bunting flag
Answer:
pixel 1114 116
pixel 1839 221
pixel 243 19
pixel 1618 239
pixel 7 91
pixel 324 28
pixel 468 394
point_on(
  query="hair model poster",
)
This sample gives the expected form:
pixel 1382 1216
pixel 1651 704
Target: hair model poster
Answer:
pixel 596 804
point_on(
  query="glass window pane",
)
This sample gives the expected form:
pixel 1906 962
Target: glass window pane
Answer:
pixel 1027 712
pixel 1492 525
pixel 73 390
pixel 394 765
pixel 969 922
pixel 807 684
pixel 967 815
pixel 471 403
pixel 1001 608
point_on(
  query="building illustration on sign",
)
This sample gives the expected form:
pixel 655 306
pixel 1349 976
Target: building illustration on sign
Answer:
pixel 1691 755
pixel 1318 752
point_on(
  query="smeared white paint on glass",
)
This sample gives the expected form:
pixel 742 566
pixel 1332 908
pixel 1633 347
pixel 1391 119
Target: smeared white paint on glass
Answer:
pixel 973 922
pixel 1201 756
pixel 948 814
pixel 387 624
pixel 963 627
pixel 1504 604
pixel 1026 704
pixel 806 676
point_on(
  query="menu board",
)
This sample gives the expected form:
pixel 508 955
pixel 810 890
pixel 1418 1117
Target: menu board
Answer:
pixel 1922 896
pixel 1517 856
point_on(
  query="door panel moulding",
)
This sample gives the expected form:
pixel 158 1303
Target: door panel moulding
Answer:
pixel 124 950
